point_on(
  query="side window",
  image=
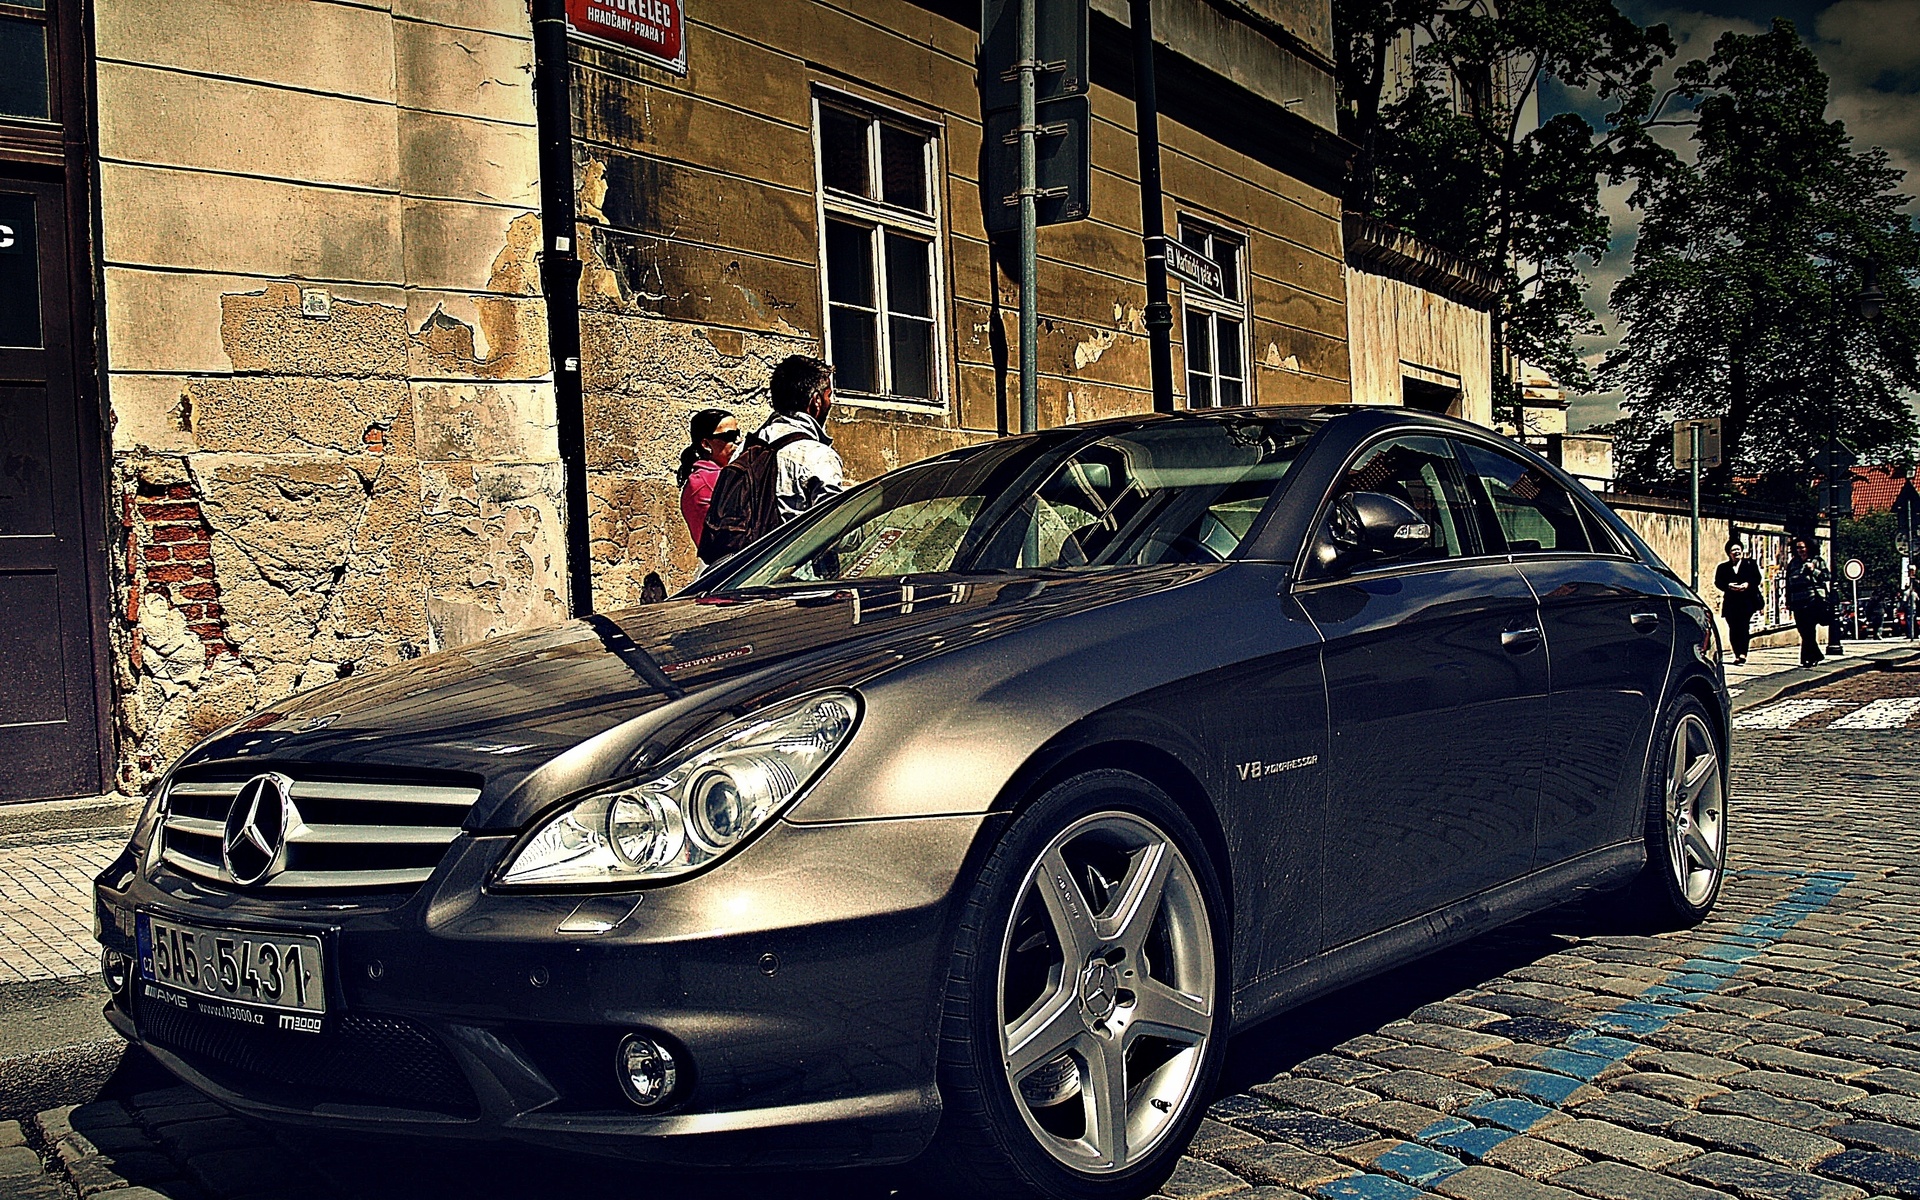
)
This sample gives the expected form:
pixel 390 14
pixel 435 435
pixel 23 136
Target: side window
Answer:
pixel 1185 493
pixel 1420 472
pixel 1533 511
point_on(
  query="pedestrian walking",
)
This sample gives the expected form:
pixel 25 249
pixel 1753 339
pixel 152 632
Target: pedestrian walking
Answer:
pixel 809 468
pixel 1739 582
pixel 787 466
pixel 711 437
pixel 1810 596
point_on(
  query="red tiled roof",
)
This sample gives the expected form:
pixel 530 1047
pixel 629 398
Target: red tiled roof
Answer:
pixel 1875 489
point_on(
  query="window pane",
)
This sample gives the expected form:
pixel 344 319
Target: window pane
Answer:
pixel 1227 254
pixel 1194 239
pixel 1227 347
pixel 853 350
pixel 1415 470
pixel 1199 391
pixel 23 68
pixel 909 286
pixel 19 272
pixel 843 151
pixel 912 350
pixel 849 264
pixel 1536 514
pixel 903 168
pixel 1199 351
pixel 1232 393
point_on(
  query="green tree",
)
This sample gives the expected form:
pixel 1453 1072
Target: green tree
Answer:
pixel 1438 96
pixel 1740 303
pixel 1876 540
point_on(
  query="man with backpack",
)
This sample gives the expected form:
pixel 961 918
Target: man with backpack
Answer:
pixel 786 468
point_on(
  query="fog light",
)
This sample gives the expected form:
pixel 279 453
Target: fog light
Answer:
pixel 113 970
pixel 646 1070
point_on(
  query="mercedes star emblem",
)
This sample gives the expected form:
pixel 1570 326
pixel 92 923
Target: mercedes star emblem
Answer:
pixel 256 833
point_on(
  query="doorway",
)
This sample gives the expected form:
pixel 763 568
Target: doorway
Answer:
pixel 49 708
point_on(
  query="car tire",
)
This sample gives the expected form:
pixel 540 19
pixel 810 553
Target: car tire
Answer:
pixel 1686 820
pixel 1085 1013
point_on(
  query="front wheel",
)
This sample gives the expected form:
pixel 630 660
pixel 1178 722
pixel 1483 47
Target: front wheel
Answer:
pixel 1686 820
pixel 1085 1017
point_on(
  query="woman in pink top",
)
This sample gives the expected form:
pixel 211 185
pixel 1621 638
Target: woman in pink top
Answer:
pixel 710 444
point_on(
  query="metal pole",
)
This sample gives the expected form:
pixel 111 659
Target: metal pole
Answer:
pixel 1153 223
pixel 560 281
pixel 1693 463
pixel 1833 532
pixel 1029 224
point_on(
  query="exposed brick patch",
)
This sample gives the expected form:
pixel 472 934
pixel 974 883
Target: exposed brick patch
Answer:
pixel 170 554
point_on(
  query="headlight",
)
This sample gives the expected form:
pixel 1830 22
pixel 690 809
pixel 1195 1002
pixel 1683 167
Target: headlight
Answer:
pixel 146 831
pixel 713 798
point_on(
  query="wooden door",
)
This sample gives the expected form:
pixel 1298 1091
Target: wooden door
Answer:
pixel 49 714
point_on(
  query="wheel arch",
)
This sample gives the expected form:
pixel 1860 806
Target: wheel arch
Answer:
pixel 1088 747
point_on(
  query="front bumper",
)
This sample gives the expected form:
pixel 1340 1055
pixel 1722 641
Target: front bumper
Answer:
pixel 799 982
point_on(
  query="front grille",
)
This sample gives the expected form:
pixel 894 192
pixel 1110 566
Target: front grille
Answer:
pixel 338 835
pixel 361 1058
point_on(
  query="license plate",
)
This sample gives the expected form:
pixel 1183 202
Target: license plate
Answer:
pixel 232 973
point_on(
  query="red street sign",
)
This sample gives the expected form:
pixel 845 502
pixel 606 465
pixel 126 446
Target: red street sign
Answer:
pixel 654 29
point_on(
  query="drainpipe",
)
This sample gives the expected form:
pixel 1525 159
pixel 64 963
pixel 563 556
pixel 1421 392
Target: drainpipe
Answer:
pixel 1153 221
pixel 560 281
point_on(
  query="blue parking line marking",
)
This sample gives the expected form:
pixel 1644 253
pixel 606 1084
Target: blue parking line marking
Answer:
pixel 1474 1142
pixel 1541 1085
pixel 1709 966
pixel 1573 1062
pixel 1367 1187
pixel 1517 1115
pixel 1443 1127
pixel 1417 1164
pixel 1600 1045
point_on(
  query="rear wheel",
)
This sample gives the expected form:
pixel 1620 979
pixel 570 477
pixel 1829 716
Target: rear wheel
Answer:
pixel 1686 829
pixel 1085 1015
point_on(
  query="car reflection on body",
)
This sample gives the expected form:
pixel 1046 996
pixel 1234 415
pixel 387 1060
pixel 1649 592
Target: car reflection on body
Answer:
pixel 960 821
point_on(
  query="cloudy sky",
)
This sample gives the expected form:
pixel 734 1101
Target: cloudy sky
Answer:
pixel 1871 52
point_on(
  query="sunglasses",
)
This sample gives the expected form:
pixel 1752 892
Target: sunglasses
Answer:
pixel 730 436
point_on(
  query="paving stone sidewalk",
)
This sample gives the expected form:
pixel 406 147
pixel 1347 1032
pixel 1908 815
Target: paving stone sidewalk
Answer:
pixel 46 904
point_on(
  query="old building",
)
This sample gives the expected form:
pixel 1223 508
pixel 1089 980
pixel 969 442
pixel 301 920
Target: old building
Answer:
pixel 285 401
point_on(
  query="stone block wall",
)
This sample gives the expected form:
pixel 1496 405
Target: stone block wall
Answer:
pixel 333 430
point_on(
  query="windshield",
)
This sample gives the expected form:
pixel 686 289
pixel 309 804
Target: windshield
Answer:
pixel 1180 492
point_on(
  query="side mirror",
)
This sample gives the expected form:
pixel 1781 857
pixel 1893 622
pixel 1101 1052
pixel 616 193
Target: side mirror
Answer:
pixel 1371 527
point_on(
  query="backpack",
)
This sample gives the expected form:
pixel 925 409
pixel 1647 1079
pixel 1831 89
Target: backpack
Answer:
pixel 743 505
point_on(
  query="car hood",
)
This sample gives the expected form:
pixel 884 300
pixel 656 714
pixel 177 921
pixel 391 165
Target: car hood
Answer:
pixel 532 716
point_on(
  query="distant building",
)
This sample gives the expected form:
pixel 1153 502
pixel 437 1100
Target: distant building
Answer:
pixel 1419 324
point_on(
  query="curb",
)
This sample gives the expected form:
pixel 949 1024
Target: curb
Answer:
pixel 1800 679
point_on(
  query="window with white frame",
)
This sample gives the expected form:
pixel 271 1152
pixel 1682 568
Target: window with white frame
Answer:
pixel 1216 325
pixel 879 227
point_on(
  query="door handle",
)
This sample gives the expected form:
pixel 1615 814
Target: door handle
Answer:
pixel 1645 622
pixel 1519 641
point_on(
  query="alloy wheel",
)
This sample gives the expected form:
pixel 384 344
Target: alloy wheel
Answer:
pixel 1107 991
pixel 1696 810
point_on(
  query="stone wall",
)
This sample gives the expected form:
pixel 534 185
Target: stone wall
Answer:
pixel 701 231
pixel 1664 525
pixel 333 429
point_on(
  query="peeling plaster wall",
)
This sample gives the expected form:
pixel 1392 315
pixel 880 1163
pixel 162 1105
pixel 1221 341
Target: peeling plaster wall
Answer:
pixel 700 233
pixel 1399 330
pixel 333 430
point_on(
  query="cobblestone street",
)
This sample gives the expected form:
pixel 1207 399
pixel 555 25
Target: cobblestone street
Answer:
pixel 1772 1053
